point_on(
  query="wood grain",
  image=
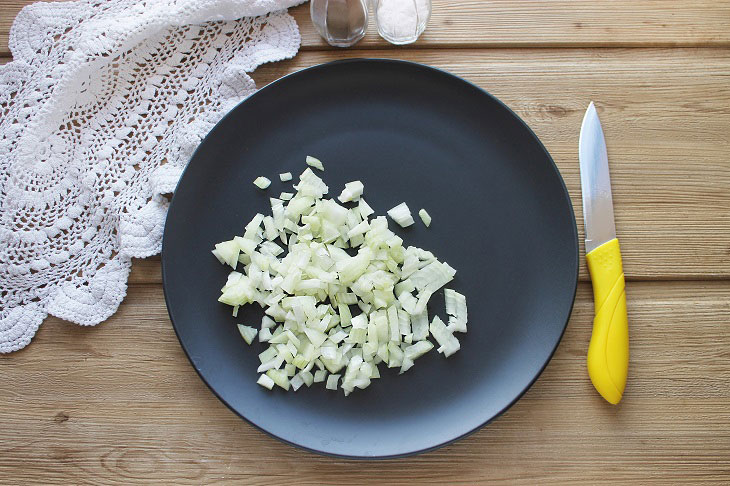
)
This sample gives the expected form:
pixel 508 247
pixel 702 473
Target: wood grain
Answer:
pixel 119 403
pixel 534 23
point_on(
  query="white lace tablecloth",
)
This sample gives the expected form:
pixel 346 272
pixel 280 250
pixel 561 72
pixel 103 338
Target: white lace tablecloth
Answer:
pixel 100 110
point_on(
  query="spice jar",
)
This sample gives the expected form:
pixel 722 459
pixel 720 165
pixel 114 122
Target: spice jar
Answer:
pixel 401 21
pixel 340 22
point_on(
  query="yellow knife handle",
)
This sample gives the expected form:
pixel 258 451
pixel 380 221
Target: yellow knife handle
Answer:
pixel 608 352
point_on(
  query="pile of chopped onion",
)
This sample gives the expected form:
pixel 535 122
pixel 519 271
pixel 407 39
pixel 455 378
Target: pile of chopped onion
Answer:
pixel 330 313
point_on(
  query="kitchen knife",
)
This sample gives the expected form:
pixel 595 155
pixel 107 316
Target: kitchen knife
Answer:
pixel 608 351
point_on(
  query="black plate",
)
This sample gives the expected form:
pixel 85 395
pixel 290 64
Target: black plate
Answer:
pixel 501 216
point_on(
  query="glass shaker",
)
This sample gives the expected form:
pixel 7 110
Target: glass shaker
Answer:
pixel 401 21
pixel 341 22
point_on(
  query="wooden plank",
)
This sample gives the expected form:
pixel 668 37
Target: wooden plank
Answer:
pixel 120 402
pixel 558 23
pixel 553 23
pixel 146 271
pixel 666 121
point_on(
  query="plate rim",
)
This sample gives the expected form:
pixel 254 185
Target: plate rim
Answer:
pixel 553 165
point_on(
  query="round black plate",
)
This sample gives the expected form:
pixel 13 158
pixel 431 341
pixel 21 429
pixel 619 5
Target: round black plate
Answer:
pixel 501 216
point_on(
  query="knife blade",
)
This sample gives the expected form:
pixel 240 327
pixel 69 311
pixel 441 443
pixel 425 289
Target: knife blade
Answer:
pixel 595 182
pixel 608 351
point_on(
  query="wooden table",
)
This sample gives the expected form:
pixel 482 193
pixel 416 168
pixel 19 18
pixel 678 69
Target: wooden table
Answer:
pixel 120 403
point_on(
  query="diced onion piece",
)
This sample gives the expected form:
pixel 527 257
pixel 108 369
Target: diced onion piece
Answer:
pixel 425 217
pixel 279 377
pixel 349 270
pixel 273 363
pixel 265 381
pixel 394 323
pixel 345 315
pixel 433 276
pixel 352 192
pixel 358 229
pixel 296 382
pixel 332 382
pixel 286 196
pixel 267 322
pixel 248 333
pixel 246 245
pixel 394 356
pixel 359 321
pixel 407 365
pixel 408 302
pixel 286 176
pixel 401 215
pixel 333 212
pixel 290 370
pixel 307 377
pixel 272 249
pixel 315 337
pixel 423 299
pixel 264 335
pixel 311 185
pixel 364 209
pixel 404 286
pixel 418 349
pixel 300 361
pixel 328 352
pixel 314 162
pixel 419 325
pixel 404 322
pixel 456 309
pixel 268 355
pixel 447 342
pixel 227 252
pixel 269 229
pixel 262 182
pixel 338 337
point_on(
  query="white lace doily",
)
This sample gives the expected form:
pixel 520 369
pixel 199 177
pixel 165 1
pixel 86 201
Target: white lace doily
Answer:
pixel 100 110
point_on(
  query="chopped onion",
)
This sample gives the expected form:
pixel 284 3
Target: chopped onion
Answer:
pixel 314 162
pixel 227 252
pixel 298 264
pixel 449 344
pixel 262 182
pixel 248 333
pixel 265 381
pixel 352 192
pixel 296 382
pixel 290 370
pixel 332 382
pixel 418 349
pixel 364 209
pixel 456 309
pixel 433 276
pixel 286 176
pixel 279 377
pixel 265 335
pixel 401 215
pixel 358 229
pixel 307 377
pixel 425 217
